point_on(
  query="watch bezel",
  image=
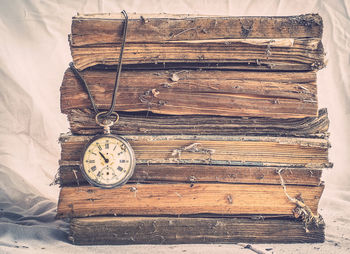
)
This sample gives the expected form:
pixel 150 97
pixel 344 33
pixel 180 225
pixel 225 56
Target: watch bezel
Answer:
pixel 132 159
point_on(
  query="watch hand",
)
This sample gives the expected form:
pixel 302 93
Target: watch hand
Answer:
pixel 106 160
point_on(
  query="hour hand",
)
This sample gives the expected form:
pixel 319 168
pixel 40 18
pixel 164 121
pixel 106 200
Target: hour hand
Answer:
pixel 105 159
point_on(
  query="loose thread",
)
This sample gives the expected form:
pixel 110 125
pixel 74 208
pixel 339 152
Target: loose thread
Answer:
pixel 134 190
pixel 250 247
pixel 184 31
pixel 302 209
pixel 76 177
pixel 57 179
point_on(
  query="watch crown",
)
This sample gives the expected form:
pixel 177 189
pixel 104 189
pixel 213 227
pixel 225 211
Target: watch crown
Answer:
pixel 106 129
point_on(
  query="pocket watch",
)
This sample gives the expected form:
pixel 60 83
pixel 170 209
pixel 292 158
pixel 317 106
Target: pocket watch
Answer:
pixel 108 160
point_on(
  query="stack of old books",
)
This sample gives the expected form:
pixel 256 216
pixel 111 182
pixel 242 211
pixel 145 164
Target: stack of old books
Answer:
pixel 222 114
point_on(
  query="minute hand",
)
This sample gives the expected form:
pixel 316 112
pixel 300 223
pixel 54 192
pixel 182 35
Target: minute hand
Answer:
pixel 106 160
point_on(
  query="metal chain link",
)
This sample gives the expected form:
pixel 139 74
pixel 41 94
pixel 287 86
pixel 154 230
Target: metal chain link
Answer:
pixel 116 84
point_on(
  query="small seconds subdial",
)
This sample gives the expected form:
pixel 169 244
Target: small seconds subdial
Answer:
pixel 108 161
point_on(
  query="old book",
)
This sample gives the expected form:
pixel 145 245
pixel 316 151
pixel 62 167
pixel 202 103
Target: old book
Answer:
pixel 181 199
pixel 90 29
pixel 170 230
pixel 278 43
pixel 70 174
pixel 82 122
pixel 249 54
pixel 218 111
pixel 215 150
pixel 193 92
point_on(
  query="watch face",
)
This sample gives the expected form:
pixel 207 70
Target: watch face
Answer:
pixel 108 161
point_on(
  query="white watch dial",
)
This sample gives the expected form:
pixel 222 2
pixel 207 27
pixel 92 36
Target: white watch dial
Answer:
pixel 108 161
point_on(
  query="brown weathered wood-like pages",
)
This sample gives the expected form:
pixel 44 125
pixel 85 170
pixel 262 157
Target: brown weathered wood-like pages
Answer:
pixel 169 230
pixel 70 174
pixel 215 150
pixel 249 54
pixel 81 121
pixel 277 43
pixel 222 113
pixel 91 29
pixel 180 199
pixel 193 92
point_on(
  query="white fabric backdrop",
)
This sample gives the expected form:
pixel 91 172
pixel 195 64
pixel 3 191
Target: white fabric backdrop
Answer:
pixel 34 54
